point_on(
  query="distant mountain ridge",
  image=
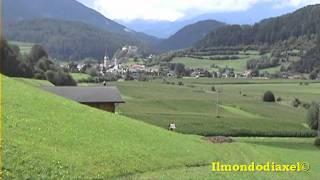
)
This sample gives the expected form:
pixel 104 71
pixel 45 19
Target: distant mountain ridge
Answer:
pixel 15 11
pixel 165 29
pixel 305 21
pixel 70 40
pixel 187 36
pixel 160 29
pixel 19 10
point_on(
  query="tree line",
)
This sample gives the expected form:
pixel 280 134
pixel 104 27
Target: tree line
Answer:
pixel 36 65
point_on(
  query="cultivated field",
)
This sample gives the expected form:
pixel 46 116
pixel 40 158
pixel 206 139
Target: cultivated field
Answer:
pixel 193 106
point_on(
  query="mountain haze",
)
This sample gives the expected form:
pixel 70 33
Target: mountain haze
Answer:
pixel 187 36
pixel 165 29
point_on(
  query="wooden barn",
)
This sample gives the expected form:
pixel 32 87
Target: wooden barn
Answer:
pixel 101 97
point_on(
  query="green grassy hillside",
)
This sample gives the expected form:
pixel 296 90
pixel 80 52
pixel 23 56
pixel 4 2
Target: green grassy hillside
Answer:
pixel 46 136
pixel 34 82
pixel 239 65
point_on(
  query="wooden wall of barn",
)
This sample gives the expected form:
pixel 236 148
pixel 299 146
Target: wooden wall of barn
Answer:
pixel 110 107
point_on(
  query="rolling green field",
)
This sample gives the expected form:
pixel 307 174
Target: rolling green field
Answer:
pixel 49 137
pixel 272 70
pixel 239 65
pixel 79 76
pixel 24 47
pixel 193 106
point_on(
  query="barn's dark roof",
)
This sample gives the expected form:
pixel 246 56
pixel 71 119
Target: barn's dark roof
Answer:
pixel 93 94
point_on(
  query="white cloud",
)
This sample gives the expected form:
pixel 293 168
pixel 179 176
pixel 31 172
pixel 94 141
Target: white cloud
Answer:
pixel 174 9
pixel 294 3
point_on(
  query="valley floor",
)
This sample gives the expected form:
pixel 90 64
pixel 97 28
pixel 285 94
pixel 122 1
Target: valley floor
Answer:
pixel 193 106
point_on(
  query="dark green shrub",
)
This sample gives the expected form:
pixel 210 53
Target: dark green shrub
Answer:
pixel 60 78
pixel 213 88
pixel 317 141
pixel 306 105
pixel 39 75
pixel 180 83
pixel 92 71
pixel 279 99
pixel 313 116
pixel 37 52
pixel 142 78
pixel 296 102
pixel 268 97
pixel 191 86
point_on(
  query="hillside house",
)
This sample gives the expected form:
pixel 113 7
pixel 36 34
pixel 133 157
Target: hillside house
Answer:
pixel 100 97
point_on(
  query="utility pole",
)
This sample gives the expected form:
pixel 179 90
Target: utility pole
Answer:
pixel 319 122
pixel 217 103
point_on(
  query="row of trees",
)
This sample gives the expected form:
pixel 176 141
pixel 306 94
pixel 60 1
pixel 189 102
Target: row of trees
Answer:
pixel 310 62
pixel 262 63
pixel 34 65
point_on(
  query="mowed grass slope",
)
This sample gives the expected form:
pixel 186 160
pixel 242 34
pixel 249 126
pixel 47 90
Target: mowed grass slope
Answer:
pixel 247 150
pixel 46 136
pixel 193 107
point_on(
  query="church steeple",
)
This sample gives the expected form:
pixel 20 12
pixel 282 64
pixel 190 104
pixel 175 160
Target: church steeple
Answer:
pixel 105 59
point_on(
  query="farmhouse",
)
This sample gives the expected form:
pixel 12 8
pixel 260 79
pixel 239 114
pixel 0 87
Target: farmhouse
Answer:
pixel 101 97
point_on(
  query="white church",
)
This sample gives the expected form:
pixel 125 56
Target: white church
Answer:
pixel 108 66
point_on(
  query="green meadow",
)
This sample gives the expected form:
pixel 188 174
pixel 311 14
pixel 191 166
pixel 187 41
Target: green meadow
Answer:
pixel 79 76
pixel 193 106
pixel 49 137
pixel 24 46
pixel 245 151
pixel 239 65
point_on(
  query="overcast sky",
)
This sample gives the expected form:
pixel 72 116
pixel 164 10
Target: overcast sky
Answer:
pixel 172 10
